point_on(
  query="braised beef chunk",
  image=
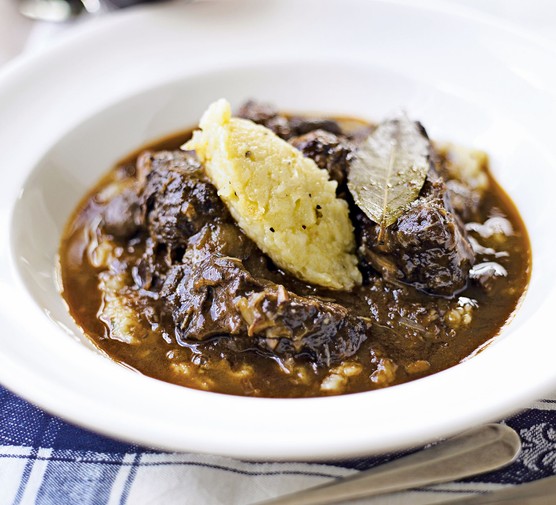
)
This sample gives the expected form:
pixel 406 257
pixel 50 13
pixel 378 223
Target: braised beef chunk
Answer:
pixel 426 247
pixel 223 238
pixel 202 297
pixel 302 126
pixel 217 296
pixel 178 198
pixel 329 151
pixel 266 115
pixel 465 202
pixel 122 216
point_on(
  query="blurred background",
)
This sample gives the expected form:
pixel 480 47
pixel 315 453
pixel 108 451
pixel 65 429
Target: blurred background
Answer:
pixel 23 24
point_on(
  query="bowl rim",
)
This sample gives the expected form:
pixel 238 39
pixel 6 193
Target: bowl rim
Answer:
pixel 54 395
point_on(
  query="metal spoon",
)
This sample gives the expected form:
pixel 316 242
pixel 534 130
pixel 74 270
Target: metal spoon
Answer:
pixel 65 10
pixel 50 10
pixel 476 451
pixel 540 492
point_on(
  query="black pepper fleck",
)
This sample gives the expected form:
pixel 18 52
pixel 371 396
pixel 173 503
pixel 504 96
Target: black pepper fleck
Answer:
pixel 272 229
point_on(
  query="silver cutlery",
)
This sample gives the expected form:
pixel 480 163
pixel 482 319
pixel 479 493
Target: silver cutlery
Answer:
pixel 474 452
pixel 540 492
pixel 64 10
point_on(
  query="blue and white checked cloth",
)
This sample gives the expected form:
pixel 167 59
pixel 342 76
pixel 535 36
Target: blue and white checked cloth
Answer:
pixel 45 461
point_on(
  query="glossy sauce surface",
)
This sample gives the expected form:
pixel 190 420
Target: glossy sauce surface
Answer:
pixel 413 333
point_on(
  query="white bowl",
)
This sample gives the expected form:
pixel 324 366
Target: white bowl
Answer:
pixel 467 79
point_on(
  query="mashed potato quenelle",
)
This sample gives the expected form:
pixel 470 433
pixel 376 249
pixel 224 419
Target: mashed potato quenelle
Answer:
pixel 282 200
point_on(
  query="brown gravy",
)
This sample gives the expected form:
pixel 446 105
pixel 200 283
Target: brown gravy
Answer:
pixel 414 334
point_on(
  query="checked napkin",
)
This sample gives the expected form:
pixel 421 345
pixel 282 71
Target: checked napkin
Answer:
pixel 46 461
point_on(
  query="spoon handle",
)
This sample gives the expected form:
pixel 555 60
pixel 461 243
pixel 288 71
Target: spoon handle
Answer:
pixel 476 451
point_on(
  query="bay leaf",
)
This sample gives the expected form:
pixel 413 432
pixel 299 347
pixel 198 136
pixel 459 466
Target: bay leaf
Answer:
pixel 389 170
